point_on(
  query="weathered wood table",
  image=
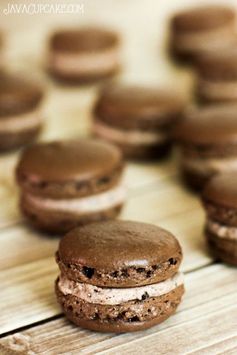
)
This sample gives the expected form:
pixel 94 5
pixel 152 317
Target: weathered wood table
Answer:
pixel 30 320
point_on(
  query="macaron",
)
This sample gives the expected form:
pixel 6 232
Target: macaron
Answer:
pixel 217 76
pixel 220 202
pixel 137 119
pixel 195 30
pixel 68 183
pixel 207 138
pixel 119 276
pixel 82 55
pixel 20 112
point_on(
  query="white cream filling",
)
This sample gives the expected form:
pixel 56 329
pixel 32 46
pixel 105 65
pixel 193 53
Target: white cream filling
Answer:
pixel 205 40
pixel 132 137
pixel 218 89
pixel 221 231
pixel 81 205
pixel 83 63
pixel 210 165
pixel 112 296
pixel 20 122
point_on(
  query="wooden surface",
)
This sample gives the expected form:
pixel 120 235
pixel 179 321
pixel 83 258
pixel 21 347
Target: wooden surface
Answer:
pixel 30 319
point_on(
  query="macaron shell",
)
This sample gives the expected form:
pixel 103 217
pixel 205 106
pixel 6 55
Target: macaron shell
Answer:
pixel 80 312
pixel 16 140
pixel 195 180
pixel 119 254
pixel 144 152
pixel 84 40
pixel 82 78
pixel 122 244
pixel 61 221
pixel 79 167
pixel 17 95
pixel 222 190
pixel 134 107
pixel 202 18
pixel 214 125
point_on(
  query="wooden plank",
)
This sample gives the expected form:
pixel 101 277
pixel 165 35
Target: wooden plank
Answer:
pixel 227 346
pixel 209 303
pixel 23 245
pixel 186 337
pixel 27 294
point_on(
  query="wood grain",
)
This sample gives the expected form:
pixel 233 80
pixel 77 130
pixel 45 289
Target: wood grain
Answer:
pixel 209 303
pixel 206 321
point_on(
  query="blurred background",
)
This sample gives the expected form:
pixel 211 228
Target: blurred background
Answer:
pixel 144 57
pixel 143 25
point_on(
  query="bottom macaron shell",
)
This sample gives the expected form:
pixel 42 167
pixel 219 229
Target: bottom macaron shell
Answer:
pixel 15 140
pixel 75 79
pixel 127 317
pixel 182 57
pixel 194 180
pixel 222 248
pixel 62 222
pixel 143 152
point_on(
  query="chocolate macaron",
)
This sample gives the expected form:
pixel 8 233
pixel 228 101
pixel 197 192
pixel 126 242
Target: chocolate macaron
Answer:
pixel 20 114
pixel 86 54
pixel 196 30
pixel 69 183
pixel 207 138
pixel 137 119
pixel 217 76
pixel 220 202
pixel 119 276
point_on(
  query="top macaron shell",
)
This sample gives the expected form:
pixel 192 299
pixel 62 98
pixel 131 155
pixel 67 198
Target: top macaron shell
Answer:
pixel 222 190
pixel 17 95
pixel 134 107
pixel 71 168
pixel 83 40
pixel 203 18
pixel 119 254
pixel 213 125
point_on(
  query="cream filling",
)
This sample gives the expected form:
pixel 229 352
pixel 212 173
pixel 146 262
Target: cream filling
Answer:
pixel 112 296
pixel 83 63
pixel 210 165
pixel 20 122
pixel 221 231
pixel 127 137
pixel 220 89
pixel 81 205
pixel 205 40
